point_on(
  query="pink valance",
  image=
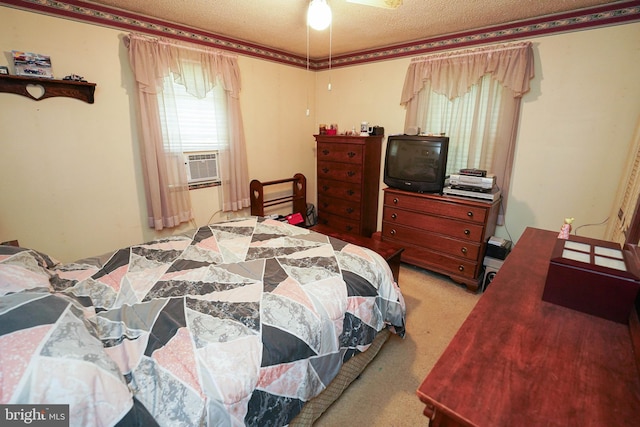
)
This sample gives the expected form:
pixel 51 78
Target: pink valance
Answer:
pixel 453 73
pixel 152 59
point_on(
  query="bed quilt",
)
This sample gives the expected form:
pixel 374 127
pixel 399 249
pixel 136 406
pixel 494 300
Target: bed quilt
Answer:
pixel 239 323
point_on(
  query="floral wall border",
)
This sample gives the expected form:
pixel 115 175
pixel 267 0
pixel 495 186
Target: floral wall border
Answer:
pixel 609 14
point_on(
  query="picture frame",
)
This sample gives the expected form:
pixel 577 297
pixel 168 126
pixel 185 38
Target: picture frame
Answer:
pixel 32 64
pixel 4 70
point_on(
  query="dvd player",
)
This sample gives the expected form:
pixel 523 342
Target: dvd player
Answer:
pixel 468 181
pixel 491 196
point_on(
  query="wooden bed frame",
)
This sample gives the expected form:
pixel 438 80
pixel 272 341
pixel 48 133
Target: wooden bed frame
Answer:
pixel 298 195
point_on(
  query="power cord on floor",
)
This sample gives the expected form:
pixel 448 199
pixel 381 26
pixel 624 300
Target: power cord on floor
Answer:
pixel 214 214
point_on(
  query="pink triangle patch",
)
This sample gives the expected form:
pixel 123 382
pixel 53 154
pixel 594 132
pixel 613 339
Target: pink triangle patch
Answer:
pixel 291 289
pixel 178 358
pixel 16 351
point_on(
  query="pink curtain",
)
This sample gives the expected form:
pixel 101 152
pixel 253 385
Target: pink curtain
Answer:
pixel 454 73
pixel 152 60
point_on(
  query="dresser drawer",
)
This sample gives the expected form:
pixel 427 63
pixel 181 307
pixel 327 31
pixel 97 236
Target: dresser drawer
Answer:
pixel 437 261
pixel 340 189
pixel 348 179
pixel 428 240
pixel 340 171
pixel 344 153
pixel 442 225
pixel 338 223
pixel 341 207
pixel 456 210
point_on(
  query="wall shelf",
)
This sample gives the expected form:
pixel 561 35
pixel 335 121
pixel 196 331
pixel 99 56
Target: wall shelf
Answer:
pixel 42 88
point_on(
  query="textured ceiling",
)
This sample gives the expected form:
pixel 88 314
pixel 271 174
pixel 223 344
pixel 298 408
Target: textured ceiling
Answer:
pixel 280 24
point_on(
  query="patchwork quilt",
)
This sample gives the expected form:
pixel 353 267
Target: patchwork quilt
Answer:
pixel 240 323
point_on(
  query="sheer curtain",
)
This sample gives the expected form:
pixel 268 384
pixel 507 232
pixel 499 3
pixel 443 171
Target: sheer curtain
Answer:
pixel 199 69
pixel 473 96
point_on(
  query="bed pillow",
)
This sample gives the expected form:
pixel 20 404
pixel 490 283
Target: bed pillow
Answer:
pixel 24 269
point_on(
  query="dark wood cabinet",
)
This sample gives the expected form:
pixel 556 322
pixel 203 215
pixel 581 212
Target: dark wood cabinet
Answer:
pixel 444 234
pixel 348 169
pixel 20 85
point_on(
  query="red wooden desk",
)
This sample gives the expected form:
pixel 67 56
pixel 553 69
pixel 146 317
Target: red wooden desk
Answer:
pixel 520 361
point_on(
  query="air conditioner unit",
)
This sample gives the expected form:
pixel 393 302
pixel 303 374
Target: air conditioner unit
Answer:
pixel 202 167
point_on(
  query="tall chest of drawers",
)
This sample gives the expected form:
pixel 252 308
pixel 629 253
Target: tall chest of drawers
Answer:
pixel 348 171
pixel 444 234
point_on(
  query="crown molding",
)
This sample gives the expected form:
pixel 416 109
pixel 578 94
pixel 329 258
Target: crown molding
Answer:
pixel 600 16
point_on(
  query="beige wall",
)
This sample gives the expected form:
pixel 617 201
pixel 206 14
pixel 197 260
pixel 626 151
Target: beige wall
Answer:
pixel 70 184
pixel 576 123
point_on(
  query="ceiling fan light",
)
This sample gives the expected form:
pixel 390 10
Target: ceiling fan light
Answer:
pixel 319 15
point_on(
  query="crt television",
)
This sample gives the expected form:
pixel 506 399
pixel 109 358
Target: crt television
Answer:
pixel 416 163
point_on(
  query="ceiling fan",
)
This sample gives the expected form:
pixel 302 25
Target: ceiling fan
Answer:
pixel 387 4
pixel 319 12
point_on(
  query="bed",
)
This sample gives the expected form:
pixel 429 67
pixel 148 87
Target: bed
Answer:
pixel 243 322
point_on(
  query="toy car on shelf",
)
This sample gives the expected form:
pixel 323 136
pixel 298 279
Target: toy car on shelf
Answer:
pixel 74 77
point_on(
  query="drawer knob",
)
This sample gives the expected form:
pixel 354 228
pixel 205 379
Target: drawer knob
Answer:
pixel 394 216
pixel 392 232
pixel 349 210
pixel 461 267
pixel 395 200
pixel 325 187
pixel 351 173
pixel 325 170
pixel 463 250
pixel 325 205
pixel 325 152
pixel 349 228
pixel 350 192
pixel 351 154
pixel 470 214
pixel 467 231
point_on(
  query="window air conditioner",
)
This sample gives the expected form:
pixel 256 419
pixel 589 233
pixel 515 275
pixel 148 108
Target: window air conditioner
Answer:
pixel 202 167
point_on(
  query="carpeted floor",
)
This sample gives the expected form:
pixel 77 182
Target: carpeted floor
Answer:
pixel 385 393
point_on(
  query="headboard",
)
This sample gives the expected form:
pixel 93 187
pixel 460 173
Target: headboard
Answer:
pixel 298 195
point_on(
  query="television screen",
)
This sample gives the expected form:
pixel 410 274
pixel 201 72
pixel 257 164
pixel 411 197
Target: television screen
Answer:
pixel 416 163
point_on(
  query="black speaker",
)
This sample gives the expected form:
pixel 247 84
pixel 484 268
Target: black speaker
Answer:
pixel 491 267
pixel 488 278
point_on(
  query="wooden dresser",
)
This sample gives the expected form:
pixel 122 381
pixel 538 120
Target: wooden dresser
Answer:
pixel 348 182
pixel 520 361
pixel 444 234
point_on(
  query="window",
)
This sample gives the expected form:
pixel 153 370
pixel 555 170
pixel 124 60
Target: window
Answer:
pixel 482 128
pixel 470 121
pixel 196 128
pixel 163 165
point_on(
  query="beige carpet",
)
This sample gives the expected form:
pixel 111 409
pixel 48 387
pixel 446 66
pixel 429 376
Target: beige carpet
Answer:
pixel 385 393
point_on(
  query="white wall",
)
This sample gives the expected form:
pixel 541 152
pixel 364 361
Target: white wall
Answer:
pixel 70 183
pixel 576 123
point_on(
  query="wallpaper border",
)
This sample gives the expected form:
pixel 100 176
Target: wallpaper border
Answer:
pixel 606 15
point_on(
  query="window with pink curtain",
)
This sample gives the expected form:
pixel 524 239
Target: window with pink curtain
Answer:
pixel 472 96
pixel 199 70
